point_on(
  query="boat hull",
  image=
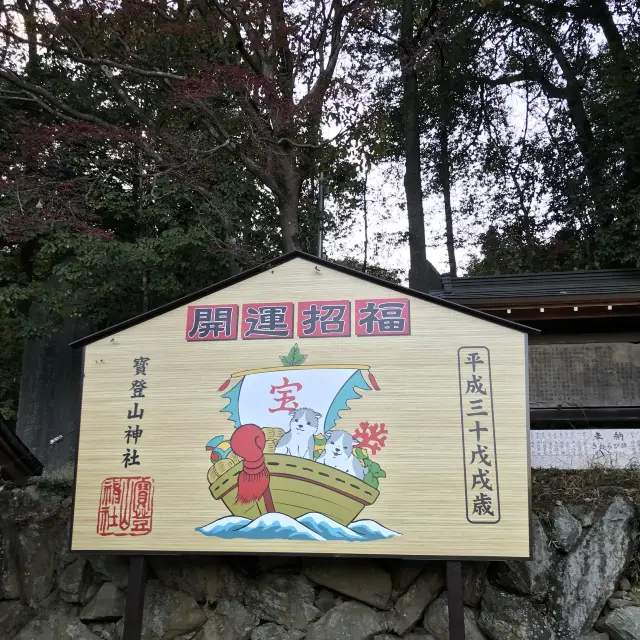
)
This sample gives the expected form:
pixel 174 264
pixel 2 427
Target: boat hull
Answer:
pixel 299 486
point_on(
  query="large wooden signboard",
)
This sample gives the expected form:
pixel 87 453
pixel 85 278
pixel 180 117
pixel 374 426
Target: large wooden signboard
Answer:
pixel 306 409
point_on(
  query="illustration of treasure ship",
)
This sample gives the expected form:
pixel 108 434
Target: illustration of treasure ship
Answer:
pixel 287 466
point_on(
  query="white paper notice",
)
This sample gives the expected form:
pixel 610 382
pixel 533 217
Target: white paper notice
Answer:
pixel 585 448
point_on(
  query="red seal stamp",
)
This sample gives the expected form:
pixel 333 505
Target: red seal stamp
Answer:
pixel 126 506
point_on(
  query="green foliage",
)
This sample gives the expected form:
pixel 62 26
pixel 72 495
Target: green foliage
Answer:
pixel 360 454
pixel 507 251
pixel 384 273
pixel 373 470
pixel 149 177
pixel 320 442
pixel 373 473
pixel 294 358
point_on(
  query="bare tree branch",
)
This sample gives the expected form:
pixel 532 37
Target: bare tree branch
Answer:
pixel 235 25
pixel 338 40
pixel 299 145
pixel 550 89
pixel 97 62
pixel 126 98
pixel 63 107
pixel 506 79
pixel 53 112
pixel 426 22
pixel 219 132
pixel 383 35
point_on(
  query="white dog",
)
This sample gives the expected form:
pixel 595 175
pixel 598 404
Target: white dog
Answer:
pixel 299 440
pixel 339 454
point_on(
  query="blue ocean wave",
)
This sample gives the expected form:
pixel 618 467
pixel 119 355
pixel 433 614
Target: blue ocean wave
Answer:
pixel 311 526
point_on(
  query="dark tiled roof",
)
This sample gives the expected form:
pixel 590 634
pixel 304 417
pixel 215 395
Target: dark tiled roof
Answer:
pixel 567 283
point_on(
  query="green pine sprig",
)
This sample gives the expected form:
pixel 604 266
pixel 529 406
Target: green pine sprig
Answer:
pixel 294 358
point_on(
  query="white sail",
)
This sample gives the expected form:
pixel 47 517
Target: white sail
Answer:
pixel 265 398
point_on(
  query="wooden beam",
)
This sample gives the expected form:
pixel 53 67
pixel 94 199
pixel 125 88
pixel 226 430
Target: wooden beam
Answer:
pixel 586 414
pixel 567 312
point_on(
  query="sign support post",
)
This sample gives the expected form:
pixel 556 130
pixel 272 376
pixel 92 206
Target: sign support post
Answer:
pixel 135 598
pixel 454 595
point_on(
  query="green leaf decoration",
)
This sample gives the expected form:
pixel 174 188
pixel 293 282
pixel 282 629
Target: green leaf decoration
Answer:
pixel 371 481
pixel 375 470
pixel 319 444
pixel 373 473
pixel 294 358
pixel 360 454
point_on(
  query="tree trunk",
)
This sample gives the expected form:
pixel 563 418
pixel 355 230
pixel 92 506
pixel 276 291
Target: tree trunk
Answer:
pixel 604 18
pixel 572 94
pixel 528 236
pixel 138 197
pixel 629 88
pixel 145 292
pixel 366 222
pixel 413 175
pixel 231 242
pixel 286 175
pixel 28 11
pixel 527 221
pixel 445 182
pixel 584 133
pixel 288 207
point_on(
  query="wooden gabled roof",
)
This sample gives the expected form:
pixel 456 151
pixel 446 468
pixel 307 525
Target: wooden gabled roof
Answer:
pixel 282 260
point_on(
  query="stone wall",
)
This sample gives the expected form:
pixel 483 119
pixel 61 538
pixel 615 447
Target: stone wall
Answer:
pixel 578 585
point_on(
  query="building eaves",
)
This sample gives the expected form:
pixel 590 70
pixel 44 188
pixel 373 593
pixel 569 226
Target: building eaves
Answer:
pixel 560 284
